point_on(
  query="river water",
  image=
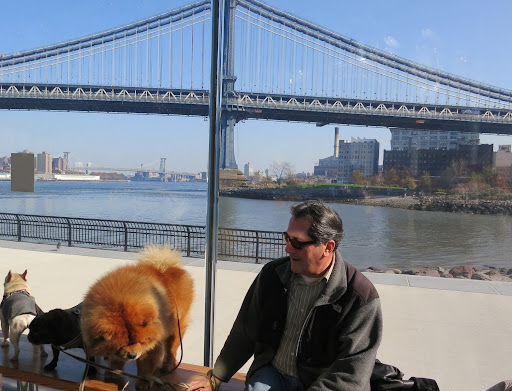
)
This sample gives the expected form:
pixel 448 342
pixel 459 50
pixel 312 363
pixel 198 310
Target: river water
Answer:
pixel 374 236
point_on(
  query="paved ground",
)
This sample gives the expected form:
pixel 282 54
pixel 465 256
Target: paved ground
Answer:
pixel 457 332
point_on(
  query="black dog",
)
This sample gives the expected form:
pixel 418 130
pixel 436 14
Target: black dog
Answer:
pixel 59 328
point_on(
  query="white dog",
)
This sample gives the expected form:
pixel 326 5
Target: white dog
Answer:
pixel 19 308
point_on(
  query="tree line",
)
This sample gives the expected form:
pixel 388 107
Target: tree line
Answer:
pixel 459 178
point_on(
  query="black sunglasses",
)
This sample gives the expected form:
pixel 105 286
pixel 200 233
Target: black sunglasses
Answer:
pixel 296 244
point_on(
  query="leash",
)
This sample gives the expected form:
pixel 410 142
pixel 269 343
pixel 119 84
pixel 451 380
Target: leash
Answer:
pixel 155 379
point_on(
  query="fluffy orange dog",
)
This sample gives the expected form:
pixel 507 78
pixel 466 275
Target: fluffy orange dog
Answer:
pixel 132 313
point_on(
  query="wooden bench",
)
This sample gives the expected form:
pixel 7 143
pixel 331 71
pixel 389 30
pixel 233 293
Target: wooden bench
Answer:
pixel 68 374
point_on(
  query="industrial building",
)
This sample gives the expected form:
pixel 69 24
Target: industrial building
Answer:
pixel 356 154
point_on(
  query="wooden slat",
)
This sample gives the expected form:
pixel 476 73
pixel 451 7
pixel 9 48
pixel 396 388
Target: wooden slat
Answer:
pixel 68 374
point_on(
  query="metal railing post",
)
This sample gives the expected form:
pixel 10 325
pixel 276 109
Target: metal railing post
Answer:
pixel 18 220
pixel 257 246
pixel 125 237
pixel 69 231
pixel 188 242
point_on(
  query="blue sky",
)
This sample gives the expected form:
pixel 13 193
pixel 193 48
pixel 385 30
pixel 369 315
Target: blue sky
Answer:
pixel 464 38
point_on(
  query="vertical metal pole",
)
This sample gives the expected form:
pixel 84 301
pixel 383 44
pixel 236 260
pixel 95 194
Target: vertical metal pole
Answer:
pixel 213 179
pixel 18 223
pixel 125 236
pixel 69 232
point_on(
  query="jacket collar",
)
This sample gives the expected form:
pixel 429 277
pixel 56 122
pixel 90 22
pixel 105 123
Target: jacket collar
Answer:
pixel 336 285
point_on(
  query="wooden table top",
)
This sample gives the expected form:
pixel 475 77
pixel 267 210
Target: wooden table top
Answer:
pixel 68 374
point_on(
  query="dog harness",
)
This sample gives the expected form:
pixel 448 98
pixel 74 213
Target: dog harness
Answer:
pixel 77 341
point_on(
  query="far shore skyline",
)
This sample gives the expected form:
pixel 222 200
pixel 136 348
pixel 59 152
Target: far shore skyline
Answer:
pixel 153 166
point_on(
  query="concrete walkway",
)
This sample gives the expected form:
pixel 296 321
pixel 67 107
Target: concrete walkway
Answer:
pixel 458 332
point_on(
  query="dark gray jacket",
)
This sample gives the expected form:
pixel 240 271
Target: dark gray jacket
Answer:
pixel 19 303
pixel 339 341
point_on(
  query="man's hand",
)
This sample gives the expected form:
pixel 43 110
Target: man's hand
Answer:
pixel 207 383
pixel 200 384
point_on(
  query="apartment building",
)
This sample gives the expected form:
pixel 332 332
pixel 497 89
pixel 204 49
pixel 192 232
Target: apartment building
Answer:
pixel 44 162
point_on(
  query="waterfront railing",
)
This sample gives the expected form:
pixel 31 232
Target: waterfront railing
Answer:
pixel 234 244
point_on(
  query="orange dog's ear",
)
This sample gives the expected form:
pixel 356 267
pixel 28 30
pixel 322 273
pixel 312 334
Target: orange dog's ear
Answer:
pixel 8 278
pixel 24 275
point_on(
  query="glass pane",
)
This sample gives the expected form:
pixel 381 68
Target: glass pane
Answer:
pixel 396 117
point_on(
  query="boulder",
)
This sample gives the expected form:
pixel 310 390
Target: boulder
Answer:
pixel 462 271
pixel 422 271
pixel 490 275
pixel 480 276
pixel 499 277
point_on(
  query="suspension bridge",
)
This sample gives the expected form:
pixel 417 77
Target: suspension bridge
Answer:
pixel 143 172
pixel 275 66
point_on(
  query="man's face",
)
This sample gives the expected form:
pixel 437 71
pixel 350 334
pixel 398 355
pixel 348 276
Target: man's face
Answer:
pixel 312 260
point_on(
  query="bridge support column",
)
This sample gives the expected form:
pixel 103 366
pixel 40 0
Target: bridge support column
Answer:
pixel 227 135
pixel 228 120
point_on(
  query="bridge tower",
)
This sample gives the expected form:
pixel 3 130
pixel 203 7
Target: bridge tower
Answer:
pixel 163 168
pixel 228 119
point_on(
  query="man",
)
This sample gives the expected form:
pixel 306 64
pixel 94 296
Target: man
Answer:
pixel 310 320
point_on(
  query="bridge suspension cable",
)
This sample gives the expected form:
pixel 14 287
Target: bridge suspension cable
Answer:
pixel 155 52
pixel 104 37
pixel 352 60
pixel 379 56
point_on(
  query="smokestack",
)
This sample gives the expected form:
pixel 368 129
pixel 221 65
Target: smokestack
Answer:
pixel 336 141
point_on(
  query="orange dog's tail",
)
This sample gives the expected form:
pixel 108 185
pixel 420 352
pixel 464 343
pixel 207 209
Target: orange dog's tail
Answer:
pixel 162 257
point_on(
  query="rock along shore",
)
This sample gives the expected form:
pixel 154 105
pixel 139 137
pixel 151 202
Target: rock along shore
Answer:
pixel 351 196
pixel 489 273
pixel 442 204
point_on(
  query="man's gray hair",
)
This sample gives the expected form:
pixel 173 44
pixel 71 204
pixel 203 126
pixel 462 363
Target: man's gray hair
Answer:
pixel 326 224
